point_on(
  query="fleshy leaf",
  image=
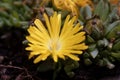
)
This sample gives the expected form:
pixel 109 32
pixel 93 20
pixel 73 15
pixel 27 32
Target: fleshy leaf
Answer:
pixel 94 53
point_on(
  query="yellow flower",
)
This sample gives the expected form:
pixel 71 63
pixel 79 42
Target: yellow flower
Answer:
pixel 68 5
pixel 71 5
pixel 83 3
pixel 55 40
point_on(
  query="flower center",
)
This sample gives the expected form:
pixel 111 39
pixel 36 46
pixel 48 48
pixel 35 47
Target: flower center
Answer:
pixel 54 46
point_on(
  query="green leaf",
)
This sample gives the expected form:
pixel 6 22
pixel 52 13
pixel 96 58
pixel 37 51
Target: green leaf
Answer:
pixel 64 14
pixel 104 53
pixel 96 33
pixel 112 15
pixel 4 14
pixel 24 24
pixel 113 32
pixel 69 66
pixel 109 64
pixel 14 21
pixel 7 22
pixel 1 22
pixel 6 6
pixel 49 11
pixel 15 14
pixel 86 55
pixel 101 62
pixel 116 55
pixel 116 46
pixel 102 10
pixel 46 66
pixel 86 12
pixel 111 26
pixel 89 39
pixel 91 47
pixel 105 12
pixel 94 53
pixel 103 43
pixel 99 8
pixel 8 1
pixel 87 61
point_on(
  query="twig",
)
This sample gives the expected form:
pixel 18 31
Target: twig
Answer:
pixel 9 66
pixel 15 67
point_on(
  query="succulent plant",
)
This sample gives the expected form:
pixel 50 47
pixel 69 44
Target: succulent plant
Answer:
pixel 102 26
pixel 103 34
pixel 101 23
pixel 15 13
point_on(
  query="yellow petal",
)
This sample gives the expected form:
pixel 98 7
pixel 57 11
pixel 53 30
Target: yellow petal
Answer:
pixel 72 51
pixel 61 55
pixel 36 41
pixel 74 57
pixel 30 56
pixel 38 59
pixel 77 28
pixel 67 31
pixel 48 24
pixel 34 30
pixel 56 19
pixel 55 58
pixel 81 46
pixel 40 26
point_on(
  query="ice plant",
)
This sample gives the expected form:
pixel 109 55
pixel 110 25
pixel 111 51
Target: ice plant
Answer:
pixel 56 40
pixel 103 35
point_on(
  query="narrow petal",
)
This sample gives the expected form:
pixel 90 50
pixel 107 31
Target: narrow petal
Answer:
pixel 74 57
pixel 36 41
pixel 77 28
pixel 48 24
pixel 30 56
pixel 72 51
pixel 37 32
pixel 66 32
pixel 65 25
pixel 81 46
pixel 38 59
pixel 40 26
pixel 56 19
pixel 46 55
pixel 55 58
pixel 61 55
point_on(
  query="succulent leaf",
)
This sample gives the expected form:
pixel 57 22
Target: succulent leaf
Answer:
pixel 94 53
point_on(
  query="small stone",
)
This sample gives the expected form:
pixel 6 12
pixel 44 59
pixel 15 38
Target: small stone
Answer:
pixel 1 59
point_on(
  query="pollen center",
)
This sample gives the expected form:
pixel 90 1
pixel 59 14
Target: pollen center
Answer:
pixel 54 46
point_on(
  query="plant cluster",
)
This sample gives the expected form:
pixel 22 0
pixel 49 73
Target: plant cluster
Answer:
pixel 62 32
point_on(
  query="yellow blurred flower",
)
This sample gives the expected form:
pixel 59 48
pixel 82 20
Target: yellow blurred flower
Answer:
pixel 83 3
pixel 68 5
pixel 55 40
pixel 71 5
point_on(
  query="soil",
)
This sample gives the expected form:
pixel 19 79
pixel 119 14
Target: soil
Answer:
pixel 14 63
